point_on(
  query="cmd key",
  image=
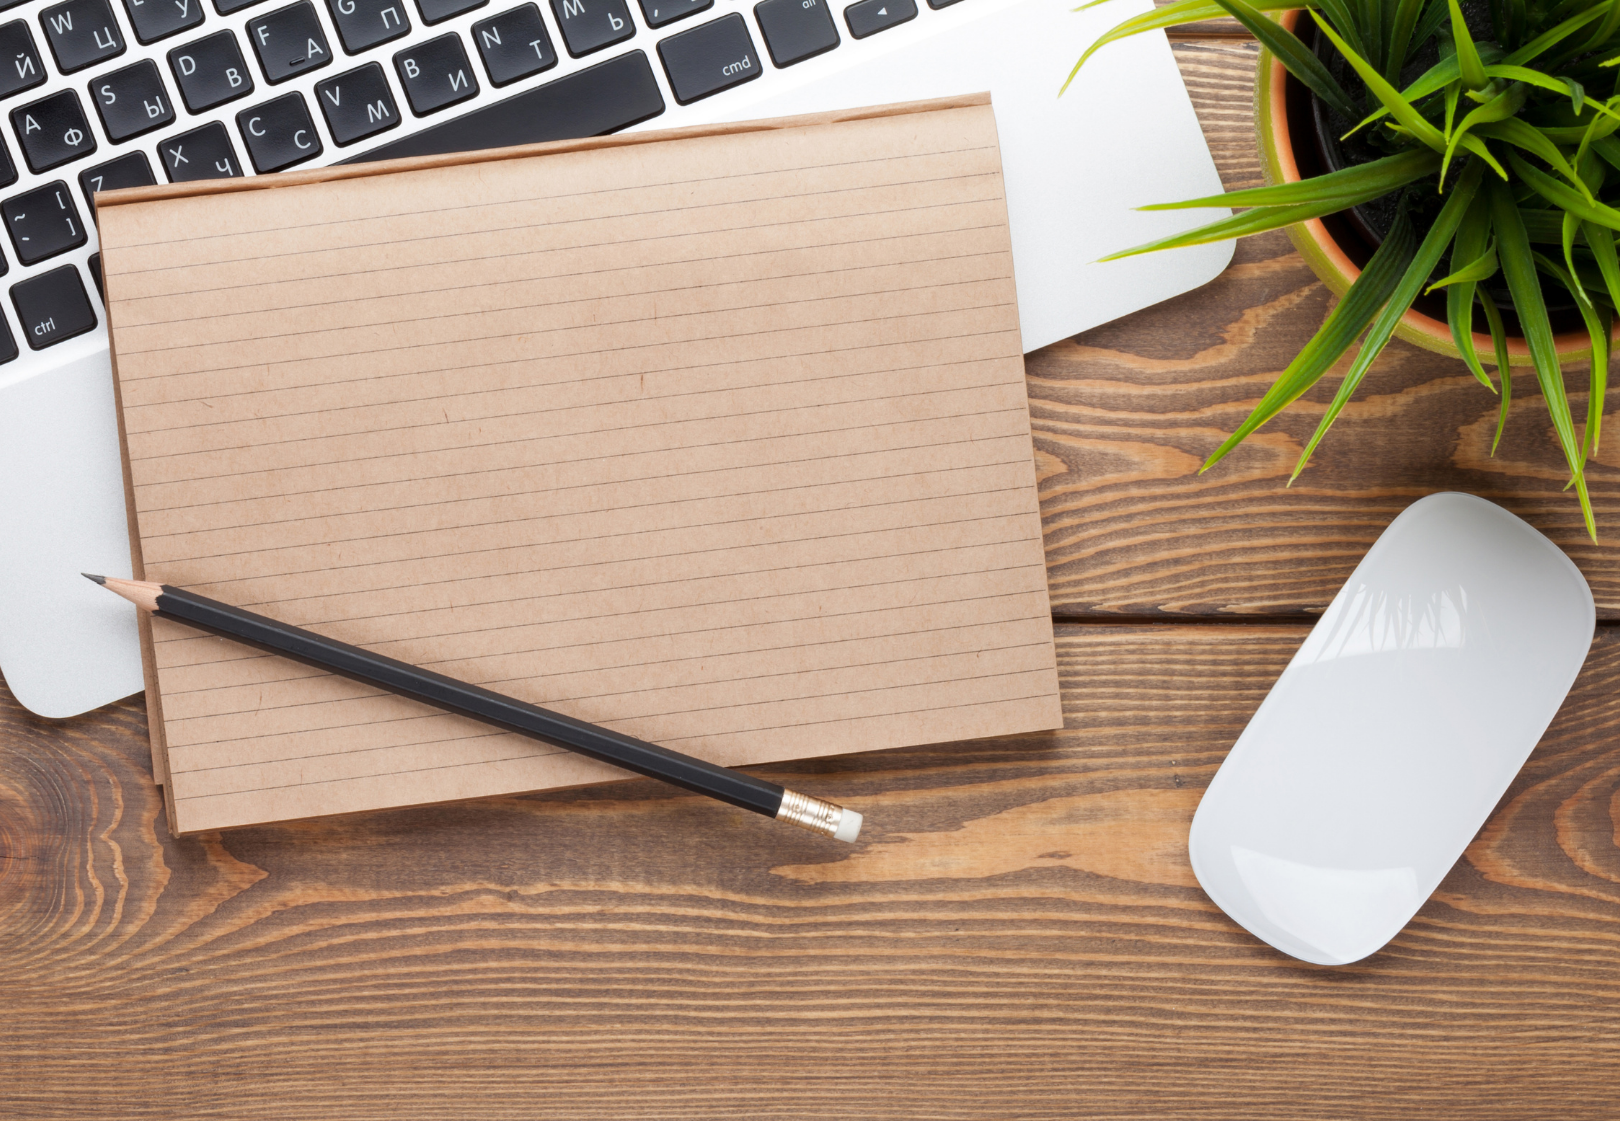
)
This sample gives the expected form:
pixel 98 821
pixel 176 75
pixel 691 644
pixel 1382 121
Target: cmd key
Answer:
pixel 52 307
pixel 709 58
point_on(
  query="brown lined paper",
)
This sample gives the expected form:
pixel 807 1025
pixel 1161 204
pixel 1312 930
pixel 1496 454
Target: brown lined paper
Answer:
pixel 720 440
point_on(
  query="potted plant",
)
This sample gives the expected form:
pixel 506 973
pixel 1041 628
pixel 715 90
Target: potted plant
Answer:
pixel 1443 168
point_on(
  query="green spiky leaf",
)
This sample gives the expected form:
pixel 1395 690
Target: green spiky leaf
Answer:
pixel 1519 269
pixel 1367 294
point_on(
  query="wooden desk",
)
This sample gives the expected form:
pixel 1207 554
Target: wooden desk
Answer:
pixel 1019 935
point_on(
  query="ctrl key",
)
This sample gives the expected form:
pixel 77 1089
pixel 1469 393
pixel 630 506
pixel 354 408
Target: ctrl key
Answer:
pixel 52 307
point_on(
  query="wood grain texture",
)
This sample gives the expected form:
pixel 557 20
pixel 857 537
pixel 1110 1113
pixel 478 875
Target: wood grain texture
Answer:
pixel 1126 413
pixel 1018 935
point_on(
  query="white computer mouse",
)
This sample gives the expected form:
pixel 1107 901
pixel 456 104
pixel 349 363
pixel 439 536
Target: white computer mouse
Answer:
pixel 1394 731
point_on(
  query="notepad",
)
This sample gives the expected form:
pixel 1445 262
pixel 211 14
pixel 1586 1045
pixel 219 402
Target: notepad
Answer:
pixel 718 437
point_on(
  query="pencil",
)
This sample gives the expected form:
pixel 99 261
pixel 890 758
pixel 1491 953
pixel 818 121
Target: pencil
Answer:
pixel 735 787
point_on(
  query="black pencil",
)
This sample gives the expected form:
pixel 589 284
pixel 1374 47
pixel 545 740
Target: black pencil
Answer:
pixel 513 715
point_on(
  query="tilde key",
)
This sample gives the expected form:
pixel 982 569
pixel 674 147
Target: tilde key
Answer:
pixel 43 222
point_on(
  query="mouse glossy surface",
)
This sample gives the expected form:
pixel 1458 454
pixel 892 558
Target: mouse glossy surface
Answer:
pixel 1394 731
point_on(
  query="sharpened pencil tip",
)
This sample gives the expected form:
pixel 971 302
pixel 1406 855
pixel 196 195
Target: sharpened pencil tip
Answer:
pixel 102 580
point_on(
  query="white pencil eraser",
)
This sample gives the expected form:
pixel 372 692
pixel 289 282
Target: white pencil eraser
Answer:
pixel 849 826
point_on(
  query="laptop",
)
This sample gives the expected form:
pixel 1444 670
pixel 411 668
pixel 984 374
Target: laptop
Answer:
pixel 100 94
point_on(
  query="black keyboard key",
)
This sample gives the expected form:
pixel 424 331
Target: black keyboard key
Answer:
pixel 362 24
pixel 43 222
pixel 660 12
pixel 210 71
pixel 595 101
pixel 514 45
pixel 158 19
pixel 8 176
pixel 95 275
pixel 709 58
pixel 871 16
pixel 132 100
pixel 279 133
pixel 52 307
pixel 129 170
pixel 437 11
pixel 226 7
pixel 795 30
pixel 8 345
pixel 357 104
pixel 590 25
pixel 81 33
pixel 937 4
pixel 436 74
pixel 289 41
pixel 20 65
pixel 53 131
pixel 202 153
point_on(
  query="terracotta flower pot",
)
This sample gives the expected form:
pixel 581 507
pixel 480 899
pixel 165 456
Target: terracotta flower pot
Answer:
pixel 1321 242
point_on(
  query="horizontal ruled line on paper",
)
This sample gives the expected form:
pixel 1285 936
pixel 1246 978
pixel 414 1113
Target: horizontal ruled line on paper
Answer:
pixel 481 258
pixel 748 651
pixel 582 432
pixel 436 216
pixel 217 585
pixel 807 247
pixel 665 635
pixel 719 731
pixel 774 570
pixel 533 277
pixel 479 446
pixel 505 495
pixel 438 212
pixel 741 463
pixel 371 692
pixel 540 750
pixel 599 537
pixel 517 334
pixel 424 635
pixel 628 322
pixel 627 479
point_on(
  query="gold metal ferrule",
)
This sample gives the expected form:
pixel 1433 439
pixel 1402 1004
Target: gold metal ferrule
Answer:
pixel 812 813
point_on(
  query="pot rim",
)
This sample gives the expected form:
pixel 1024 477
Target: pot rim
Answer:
pixel 1435 333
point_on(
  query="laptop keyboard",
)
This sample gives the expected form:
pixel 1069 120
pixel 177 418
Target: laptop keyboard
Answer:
pixel 139 92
